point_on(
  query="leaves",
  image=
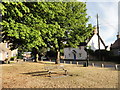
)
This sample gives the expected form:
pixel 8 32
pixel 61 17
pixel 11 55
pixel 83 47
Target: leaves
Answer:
pixel 45 24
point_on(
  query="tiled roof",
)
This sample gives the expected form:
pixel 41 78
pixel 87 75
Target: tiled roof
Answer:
pixel 116 44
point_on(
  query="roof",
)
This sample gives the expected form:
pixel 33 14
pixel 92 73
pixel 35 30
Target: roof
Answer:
pixel 100 39
pixel 95 32
pixel 116 44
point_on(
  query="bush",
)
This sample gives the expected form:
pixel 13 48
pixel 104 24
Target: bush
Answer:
pixel 12 58
pixel 51 54
pixel 6 59
pixel 19 57
pixel 90 52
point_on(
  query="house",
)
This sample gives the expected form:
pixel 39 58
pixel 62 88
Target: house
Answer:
pixel 5 51
pixel 75 53
pixel 93 42
pixel 115 47
pixel 80 53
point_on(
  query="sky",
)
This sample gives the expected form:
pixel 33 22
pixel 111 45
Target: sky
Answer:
pixel 108 18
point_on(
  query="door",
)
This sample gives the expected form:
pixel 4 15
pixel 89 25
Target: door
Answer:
pixel 74 56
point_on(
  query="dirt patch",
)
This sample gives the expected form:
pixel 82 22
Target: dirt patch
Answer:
pixel 33 75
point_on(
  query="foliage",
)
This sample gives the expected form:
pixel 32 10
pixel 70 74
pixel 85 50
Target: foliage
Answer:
pixel 44 24
pixel 6 59
pixel 90 52
pixel 13 58
pixel 52 53
pixel 41 52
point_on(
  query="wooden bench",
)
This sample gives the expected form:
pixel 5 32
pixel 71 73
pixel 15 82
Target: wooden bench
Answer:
pixel 55 68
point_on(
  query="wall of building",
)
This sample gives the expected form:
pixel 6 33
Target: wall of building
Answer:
pixel 116 52
pixel 5 51
pixel 1 55
pixel 80 53
pixel 93 43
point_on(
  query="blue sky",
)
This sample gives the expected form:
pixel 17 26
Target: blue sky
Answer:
pixel 108 18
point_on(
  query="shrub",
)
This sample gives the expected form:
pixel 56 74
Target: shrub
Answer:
pixel 51 54
pixel 6 59
pixel 12 58
pixel 19 57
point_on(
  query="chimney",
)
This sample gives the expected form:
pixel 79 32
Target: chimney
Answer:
pixel 118 36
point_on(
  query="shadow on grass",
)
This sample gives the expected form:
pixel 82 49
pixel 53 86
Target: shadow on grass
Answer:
pixel 53 74
pixel 48 63
pixel 38 73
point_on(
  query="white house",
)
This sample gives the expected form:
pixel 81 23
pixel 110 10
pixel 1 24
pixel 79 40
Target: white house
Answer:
pixel 80 53
pixel 93 43
pixel 5 51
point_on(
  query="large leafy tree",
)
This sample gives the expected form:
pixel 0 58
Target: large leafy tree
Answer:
pixel 45 24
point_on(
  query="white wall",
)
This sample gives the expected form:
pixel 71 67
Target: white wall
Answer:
pixel 14 52
pixel 93 43
pixel 0 55
pixel 5 51
pixel 80 53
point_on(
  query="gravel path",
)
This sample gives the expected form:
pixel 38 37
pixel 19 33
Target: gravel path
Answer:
pixel 33 75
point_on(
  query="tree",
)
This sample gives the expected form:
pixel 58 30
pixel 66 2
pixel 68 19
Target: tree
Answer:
pixel 20 26
pixel 45 24
pixel 51 54
pixel 69 24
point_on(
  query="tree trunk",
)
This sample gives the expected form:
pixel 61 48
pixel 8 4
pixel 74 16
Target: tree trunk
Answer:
pixel 39 58
pixel 58 57
pixel 36 58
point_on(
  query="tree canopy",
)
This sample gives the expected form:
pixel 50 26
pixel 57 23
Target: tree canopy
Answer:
pixel 45 24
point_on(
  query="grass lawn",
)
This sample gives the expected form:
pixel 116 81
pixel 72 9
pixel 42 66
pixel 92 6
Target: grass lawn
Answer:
pixel 33 75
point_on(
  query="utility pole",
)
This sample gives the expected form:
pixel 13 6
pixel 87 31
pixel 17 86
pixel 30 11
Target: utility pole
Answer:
pixel 98 36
